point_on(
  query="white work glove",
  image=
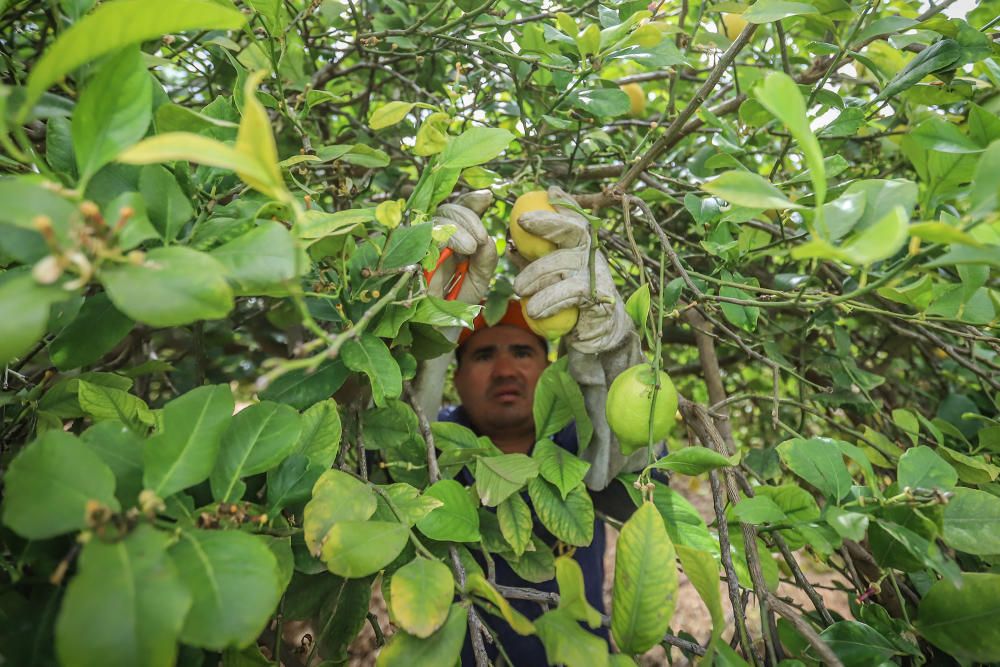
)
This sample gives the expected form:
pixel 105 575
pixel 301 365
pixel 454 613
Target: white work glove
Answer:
pixel 561 279
pixel 470 241
pixel 603 343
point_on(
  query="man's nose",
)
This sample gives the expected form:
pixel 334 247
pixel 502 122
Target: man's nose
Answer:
pixel 504 366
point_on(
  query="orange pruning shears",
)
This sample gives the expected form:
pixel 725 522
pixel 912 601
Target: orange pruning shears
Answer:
pixel 454 285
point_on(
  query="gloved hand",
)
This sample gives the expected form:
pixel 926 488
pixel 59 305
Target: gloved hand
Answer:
pixel 470 241
pixel 561 279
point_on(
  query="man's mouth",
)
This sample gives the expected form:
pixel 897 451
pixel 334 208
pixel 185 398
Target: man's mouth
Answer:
pixel 507 394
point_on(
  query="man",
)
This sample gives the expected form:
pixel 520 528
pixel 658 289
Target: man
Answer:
pixel 498 367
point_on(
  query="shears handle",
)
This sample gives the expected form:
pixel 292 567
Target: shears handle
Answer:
pixel 454 285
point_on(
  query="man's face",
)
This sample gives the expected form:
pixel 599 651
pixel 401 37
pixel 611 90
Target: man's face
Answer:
pixel 496 380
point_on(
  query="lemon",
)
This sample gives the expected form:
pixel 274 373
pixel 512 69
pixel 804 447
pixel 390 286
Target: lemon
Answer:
pixel 553 326
pixel 636 98
pixel 734 24
pixel 630 402
pixel 529 246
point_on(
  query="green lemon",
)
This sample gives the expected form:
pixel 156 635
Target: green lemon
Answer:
pixel 630 403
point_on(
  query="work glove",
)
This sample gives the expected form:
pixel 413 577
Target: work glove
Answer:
pixel 561 279
pixel 470 241
pixel 603 343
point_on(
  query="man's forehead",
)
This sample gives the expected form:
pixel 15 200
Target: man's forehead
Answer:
pixel 503 336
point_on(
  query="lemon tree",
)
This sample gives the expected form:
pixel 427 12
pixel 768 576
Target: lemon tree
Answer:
pixel 214 228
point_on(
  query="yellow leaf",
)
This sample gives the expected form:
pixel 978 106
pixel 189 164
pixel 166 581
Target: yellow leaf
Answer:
pixel 173 146
pixel 255 142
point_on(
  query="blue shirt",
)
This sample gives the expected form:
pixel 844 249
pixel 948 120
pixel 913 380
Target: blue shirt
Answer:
pixel 529 650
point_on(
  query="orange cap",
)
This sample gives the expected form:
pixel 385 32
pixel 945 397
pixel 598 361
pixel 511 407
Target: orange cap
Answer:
pixel 513 317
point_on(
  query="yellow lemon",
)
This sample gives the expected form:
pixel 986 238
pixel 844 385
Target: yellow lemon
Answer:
pixel 529 246
pixel 636 99
pixel 630 404
pixel 734 24
pixel 553 326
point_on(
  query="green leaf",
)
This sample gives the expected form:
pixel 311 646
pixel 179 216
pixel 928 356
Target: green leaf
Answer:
pixel 321 433
pixel 49 485
pixel 557 465
pixel 389 114
pixel 259 437
pixel 171 287
pixel 572 592
pixel 409 504
pixel 26 307
pixel 921 468
pixel 758 510
pixel 602 103
pixel 301 389
pixel 692 461
pixel 570 519
pixel 768 11
pixel 939 56
pixel 880 241
pixel 291 482
pixel 103 403
pixel 972 522
pixel 94 332
pixel 406 245
pixel 441 313
pixel 166 204
pixel 516 523
pixel 743 188
pixel 120 24
pixel 343 612
pixel 369 355
pixel 941 232
pixel 121 449
pixel 780 95
pixel 232 577
pixel 316 224
pixel 558 401
pixel 336 497
pixel 702 571
pixel 498 477
pixel 961 619
pixel 849 525
pixel 358 548
pixel 420 596
pixel 390 427
pixel 637 307
pixel 113 112
pixel 857 643
pixel 566 643
pixel 442 648
pixel 819 462
pixel 133 587
pixel 683 522
pixel 456 520
pixel 173 146
pixel 476 583
pixel 476 145
pixel 184 452
pixel 985 194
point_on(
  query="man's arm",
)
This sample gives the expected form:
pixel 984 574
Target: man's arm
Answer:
pixel 604 342
pixel 470 241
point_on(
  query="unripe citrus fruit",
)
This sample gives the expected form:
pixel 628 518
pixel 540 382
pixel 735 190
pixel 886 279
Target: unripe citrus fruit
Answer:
pixel 734 24
pixel 553 326
pixel 630 402
pixel 529 246
pixel 636 98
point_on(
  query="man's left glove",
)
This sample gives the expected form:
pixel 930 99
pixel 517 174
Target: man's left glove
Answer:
pixel 561 279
